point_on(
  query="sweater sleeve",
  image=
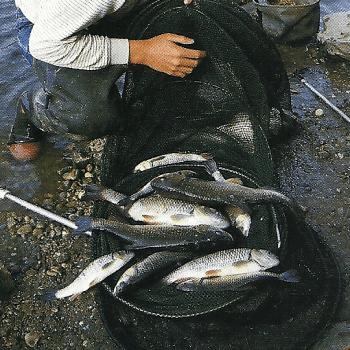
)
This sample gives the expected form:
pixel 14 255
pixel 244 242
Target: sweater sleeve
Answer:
pixel 58 35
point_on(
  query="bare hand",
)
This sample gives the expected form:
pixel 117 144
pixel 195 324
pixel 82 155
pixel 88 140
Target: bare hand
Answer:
pixel 162 53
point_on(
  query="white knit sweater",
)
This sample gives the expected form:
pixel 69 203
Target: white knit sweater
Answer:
pixel 56 37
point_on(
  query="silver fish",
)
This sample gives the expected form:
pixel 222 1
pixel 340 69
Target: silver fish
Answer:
pixel 155 236
pixel 96 192
pixel 170 158
pixel 148 189
pixel 239 218
pixel 179 185
pixel 222 263
pixel 94 273
pixel 233 282
pixel 168 211
pixel 179 158
pixel 148 266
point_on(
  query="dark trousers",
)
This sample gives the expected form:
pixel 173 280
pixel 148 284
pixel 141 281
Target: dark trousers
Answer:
pixel 70 101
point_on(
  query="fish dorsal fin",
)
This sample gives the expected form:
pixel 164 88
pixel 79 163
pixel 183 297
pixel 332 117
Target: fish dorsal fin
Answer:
pixel 107 265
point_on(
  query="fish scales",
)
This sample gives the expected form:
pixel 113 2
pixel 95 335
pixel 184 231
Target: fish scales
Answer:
pixel 94 273
pixel 178 185
pixel 233 282
pixel 148 266
pixel 143 236
pixel 224 262
pixel 97 192
pixel 148 189
pixel 239 218
pixel 170 158
pixel 170 211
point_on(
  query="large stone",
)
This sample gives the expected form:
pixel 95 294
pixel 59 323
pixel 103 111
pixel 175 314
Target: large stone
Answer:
pixel 336 34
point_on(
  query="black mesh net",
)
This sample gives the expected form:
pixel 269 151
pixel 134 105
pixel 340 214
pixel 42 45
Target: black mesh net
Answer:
pixel 233 106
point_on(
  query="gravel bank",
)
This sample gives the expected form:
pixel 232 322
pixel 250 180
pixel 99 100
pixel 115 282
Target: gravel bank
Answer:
pixel 36 255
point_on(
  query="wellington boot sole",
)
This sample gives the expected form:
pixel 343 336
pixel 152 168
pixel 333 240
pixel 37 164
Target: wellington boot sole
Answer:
pixel 24 151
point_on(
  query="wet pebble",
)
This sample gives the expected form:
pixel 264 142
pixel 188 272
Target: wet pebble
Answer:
pixel 80 159
pixel 32 339
pixel 319 112
pixel 62 195
pixel 25 229
pixel 48 202
pixel 89 168
pixel 54 259
pixel 40 225
pixel 61 257
pixel 323 155
pixel 71 175
pixel 38 232
pixel 88 175
pixel 11 222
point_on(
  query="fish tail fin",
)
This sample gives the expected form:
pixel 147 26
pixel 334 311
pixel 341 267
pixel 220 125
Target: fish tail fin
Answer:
pixel 48 295
pixel 160 285
pixel 92 192
pixel 213 170
pixel 290 276
pixel 84 224
pixel 187 285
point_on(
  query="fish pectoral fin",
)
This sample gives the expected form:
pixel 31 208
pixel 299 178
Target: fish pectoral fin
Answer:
pixel 73 297
pixel 93 283
pixel 181 280
pixel 291 276
pixel 136 246
pixel 179 217
pixel 148 217
pixel 240 265
pixel 212 273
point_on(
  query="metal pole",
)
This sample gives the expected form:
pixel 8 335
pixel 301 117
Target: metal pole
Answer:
pixel 330 104
pixel 6 194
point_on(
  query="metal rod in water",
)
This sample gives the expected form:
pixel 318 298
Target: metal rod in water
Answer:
pixel 6 194
pixel 330 104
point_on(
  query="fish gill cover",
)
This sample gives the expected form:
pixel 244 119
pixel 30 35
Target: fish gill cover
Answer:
pixel 228 108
